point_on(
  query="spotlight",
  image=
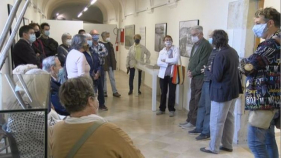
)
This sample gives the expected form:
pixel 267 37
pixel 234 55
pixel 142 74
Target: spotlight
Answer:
pixel 93 1
pixel 57 14
pixel 85 9
pixel 79 15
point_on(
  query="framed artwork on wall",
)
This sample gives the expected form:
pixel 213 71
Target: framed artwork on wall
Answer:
pixel 185 43
pixel 129 36
pixel 160 33
pixel 25 21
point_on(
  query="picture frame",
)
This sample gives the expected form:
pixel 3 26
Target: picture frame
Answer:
pixel 129 36
pixel 185 42
pixel 160 33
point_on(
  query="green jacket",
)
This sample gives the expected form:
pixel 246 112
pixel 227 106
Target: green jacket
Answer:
pixel 199 58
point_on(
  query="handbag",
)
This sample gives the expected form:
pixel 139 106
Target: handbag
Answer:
pixel 261 118
pixel 178 73
pixel 83 139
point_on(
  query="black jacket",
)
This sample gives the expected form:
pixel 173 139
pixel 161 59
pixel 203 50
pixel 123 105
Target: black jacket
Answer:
pixel 23 53
pixel 224 75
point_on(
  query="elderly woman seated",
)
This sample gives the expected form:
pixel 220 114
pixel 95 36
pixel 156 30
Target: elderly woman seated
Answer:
pixel 85 134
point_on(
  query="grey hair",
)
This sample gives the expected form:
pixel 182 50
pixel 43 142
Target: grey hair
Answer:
pixel 64 37
pixel 197 28
pixel 78 41
pixel 48 63
pixel 22 69
pixel 104 33
pixel 87 35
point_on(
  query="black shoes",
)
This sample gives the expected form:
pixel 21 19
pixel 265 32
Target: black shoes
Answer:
pixel 105 94
pixel 131 92
pixel 116 95
pixel 202 137
pixel 103 108
pixel 194 131
pixel 225 149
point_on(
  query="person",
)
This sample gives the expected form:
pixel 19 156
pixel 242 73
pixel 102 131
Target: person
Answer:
pixel 100 49
pixel 94 62
pixel 52 65
pixel 76 63
pixel 23 52
pixel 136 54
pixel 36 29
pixel 105 141
pixel 45 45
pixel 39 55
pixel 81 32
pixel 168 57
pixel 224 90
pixel 204 106
pixel 264 66
pixel 109 64
pixel 28 128
pixel 63 49
pixel 200 53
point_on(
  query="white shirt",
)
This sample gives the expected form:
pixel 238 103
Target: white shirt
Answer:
pixel 164 54
pixel 76 64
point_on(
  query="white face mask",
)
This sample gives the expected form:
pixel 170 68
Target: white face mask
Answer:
pixel 68 42
pixel 107 39
pixel 194 39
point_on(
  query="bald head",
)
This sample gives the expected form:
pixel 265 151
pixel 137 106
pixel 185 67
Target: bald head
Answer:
pixel 94 32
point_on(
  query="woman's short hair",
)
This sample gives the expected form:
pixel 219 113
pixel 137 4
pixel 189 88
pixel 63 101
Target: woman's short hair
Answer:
pixel 103 34
pixel 48 63
pixel 74 93
pixel 64 37
pixel 269 14
pixel 78 41
pixel 197 28
pixel 137 35
pixel 168 36
pixel 220 38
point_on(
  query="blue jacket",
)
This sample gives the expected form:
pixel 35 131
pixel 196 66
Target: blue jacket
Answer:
pixel 224 75
pixel 93 61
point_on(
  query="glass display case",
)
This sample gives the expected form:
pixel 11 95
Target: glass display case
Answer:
pixel 24 104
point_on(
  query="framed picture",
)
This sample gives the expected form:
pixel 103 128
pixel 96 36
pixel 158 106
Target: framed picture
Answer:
pixel 129 36
pixel 185 43
pixel 25 21
pixel 160 33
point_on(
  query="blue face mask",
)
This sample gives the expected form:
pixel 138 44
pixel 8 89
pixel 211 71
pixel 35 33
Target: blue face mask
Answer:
pixel 32 38
pixel 211 40
pixel 90 43
pixel 47 33
pixel 96 37
pixel 259 29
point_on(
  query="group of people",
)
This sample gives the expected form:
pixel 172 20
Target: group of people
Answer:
pixel 78 73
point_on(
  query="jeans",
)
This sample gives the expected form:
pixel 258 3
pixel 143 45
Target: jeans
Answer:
pixel 196 86
pixel 98 88
pixel 262 142
pixel 164 84
pixel 112 81
pixel 222 125
pixel 131 79
pixel 203 112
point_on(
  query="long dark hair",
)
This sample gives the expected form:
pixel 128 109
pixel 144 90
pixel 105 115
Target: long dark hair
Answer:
pixel 220 38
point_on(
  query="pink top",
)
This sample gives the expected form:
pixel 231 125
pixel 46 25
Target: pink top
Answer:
pixel 76 64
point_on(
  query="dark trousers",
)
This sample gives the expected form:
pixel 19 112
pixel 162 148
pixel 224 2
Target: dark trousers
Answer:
pixel 196 86
pixel 102 77
pixel 131 79
pixel 164 84
pixel 98 87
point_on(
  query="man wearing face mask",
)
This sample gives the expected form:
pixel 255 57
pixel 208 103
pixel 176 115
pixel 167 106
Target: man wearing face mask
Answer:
pixel 63 49
pixel 23 53
pixel 46 45
pixel 200 53
pixel 136 54
pixel 109 64
pixel 53 66
pixel 262 70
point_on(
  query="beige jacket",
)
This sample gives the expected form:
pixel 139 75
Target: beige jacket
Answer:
pixel 131 60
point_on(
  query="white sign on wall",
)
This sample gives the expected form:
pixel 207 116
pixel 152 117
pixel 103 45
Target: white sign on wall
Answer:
pixel 143 35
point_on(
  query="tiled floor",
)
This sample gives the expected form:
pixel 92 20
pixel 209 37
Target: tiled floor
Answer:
pixel 157 136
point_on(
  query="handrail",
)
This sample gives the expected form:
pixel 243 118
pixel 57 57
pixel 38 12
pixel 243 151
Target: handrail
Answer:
pixel 9 23
pixel 24 87
pixel 4 52
pixel 16 93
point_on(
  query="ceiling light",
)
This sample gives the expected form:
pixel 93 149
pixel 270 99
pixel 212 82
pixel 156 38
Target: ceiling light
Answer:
pixel 85 9
pixel 79 15
pixel 57 14
pixel 93 1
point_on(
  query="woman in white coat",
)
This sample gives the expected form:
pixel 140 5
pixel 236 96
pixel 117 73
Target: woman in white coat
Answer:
pixel 168 57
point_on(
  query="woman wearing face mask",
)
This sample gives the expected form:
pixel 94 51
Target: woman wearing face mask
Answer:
pixel 264 66
pixel 135 55
pixel 76 63
pixel 167 58
pixel 63 49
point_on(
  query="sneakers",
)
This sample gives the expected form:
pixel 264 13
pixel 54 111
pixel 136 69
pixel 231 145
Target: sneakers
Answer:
pixel 160 112
pixel 103 108
pixel 188 125
pixel 195 131
pixel 171 113
pixel 105 94
pixel 116 94
pixel 181 124
pixel 202 137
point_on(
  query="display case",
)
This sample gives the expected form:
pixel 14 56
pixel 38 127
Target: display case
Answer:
pixel 24 104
